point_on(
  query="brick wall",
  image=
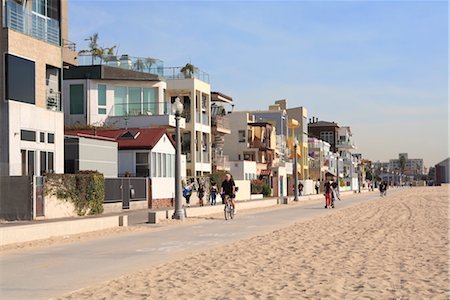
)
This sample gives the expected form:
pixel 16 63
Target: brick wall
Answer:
pixel 162 203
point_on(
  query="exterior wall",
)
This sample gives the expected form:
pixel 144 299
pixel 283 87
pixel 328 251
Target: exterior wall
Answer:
pixel 98 155
pixel 243 170
pixel 30 117
pixel 232 147
pixel 301 115
pixel 163 188
pixel 244 191
pixel 443 172
pixel 191 87
pixel 57 208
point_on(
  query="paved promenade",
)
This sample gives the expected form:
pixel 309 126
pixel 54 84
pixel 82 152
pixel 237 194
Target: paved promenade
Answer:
pixel 53 271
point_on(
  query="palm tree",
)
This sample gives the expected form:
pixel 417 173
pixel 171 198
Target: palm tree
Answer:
pixel 149 62
pixel 188 70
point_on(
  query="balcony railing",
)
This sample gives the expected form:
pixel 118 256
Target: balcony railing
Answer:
pixel 202 118
pixel 346 144
pixel 18 18
pixel 140 64
pixel 69 45
pixel 220 122
pixel 177 73
pixel 141 109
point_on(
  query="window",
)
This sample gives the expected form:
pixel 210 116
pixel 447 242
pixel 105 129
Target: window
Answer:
pixel 24 162
pixel 150 104
pixel 134 101
pixel 241 136
pixel 142 165
pixel 51 138
pixel 76 99
pixel 101 101
pixel 42 137
pixel 50 166
pixel 120 101
pixel 327 136
pixel 31 168
pixel 28 135
pixel 20 79
pixel 160 165
pixel 43 162
pixel 153 162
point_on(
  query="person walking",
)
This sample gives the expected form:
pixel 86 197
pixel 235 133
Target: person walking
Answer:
pixel 187 192
pixel 317 186
pixel 327 187
pixel 300 188
pixel 201 193
pixel 213 193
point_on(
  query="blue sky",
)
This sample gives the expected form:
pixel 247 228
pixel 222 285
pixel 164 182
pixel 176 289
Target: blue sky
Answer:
pixel 380 67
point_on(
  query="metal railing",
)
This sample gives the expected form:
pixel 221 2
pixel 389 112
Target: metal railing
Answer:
pixel 18 18
pixel 53 95
pixel 140 64
pixel 69 45
pixel 179 73
pixel 141 109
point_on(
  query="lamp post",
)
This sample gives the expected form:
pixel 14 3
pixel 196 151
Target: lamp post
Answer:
pixel 295 171
pixel 177 109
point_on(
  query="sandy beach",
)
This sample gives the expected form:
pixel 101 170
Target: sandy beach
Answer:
pixel 395 247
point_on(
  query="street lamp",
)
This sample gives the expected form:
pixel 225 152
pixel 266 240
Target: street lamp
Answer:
pixel 177 109
pixel 295 171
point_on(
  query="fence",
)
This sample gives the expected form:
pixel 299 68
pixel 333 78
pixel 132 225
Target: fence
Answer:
pixel 125 189
pixel 16 198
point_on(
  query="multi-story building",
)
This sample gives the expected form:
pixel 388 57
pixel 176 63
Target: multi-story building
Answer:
pixel 220 126
pixel 442 174
pixel 322 163
pixel 33 39
pixel 349 170
pixel 301 134
pixel 193 89
pixel 116 95
pixel 408 166
pixel 325 131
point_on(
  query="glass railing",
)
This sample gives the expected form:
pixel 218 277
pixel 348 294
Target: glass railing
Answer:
pixel 205 119
pixel 53 95
pixel 141 109
pixel 205 157
pixel 18 18
pixel 140 64
pixel 179 73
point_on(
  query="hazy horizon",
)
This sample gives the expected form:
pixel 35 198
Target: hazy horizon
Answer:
pixel 379 67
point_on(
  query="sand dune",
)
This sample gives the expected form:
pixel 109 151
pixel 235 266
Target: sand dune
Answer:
pixel 392 248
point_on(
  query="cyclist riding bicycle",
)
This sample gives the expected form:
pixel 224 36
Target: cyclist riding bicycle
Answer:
pixel 228 188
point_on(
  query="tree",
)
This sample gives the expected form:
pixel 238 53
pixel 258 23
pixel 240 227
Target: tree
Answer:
pixel 188 70
pixel 139 65
pixel 95 50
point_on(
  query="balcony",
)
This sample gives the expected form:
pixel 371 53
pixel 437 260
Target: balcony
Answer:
pixel 53 95
pixel 148 114
pixel 177 73
pixel 345 145
pixel 221 124
pixel 22 20
pixel 139 64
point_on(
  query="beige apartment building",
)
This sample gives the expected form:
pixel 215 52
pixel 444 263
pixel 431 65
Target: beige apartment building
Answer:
pixel 34 47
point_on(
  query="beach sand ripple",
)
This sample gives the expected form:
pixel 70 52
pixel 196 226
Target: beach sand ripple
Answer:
pixel 391 248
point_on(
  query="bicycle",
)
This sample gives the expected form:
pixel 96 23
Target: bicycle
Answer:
pixel 228 209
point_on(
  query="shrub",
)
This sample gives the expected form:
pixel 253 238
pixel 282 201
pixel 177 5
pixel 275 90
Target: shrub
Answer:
pixel 86 190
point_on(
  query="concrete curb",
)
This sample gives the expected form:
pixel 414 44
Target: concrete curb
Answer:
pixel 32 232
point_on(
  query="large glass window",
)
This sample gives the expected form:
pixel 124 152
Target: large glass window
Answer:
pixel 31 168
pixel 241 136
pixel 20 79
pixel 142 169
pixel 134 101
pixel 43 162
pixel 50 167
pixel 101 101
pixel 28 135
pixel 150 104
pixel 76 99
pixel 120 101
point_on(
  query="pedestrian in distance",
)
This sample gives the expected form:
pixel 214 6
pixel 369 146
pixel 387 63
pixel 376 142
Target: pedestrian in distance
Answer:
pixel 327 188
pixel 317 186
pixel 187 192
pixel 201 193
pixel 213 193
pixel 300 189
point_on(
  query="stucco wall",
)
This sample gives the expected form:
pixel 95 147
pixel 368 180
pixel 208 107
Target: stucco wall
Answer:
pixel 30 117
pixel 98 155
pixel 56 208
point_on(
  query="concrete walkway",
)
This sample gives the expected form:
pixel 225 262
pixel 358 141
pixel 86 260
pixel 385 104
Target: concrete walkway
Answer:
pixel 48 272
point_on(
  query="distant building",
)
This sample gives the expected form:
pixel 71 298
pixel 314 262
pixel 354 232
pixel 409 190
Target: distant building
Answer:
pixel 443 172
pixel 412 166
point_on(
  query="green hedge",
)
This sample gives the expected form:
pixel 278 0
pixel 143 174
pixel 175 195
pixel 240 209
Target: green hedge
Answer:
pixel 259 187
pixel 86 190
